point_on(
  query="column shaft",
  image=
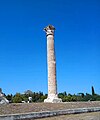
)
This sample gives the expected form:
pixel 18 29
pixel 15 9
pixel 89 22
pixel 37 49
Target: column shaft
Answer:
pixel 52 83
pixel 52 86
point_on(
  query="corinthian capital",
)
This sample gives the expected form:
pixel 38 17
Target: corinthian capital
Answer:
pixel 49 30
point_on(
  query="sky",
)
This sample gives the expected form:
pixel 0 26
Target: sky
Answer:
pixel 23 45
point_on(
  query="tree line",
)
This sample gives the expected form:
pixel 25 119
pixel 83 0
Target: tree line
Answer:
pixel 39 97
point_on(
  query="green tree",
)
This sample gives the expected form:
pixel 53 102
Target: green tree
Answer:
pixel 17 98
pixel 28 92
pixel 68 98
pixel 93 92
pixel 9 97
pixel 74 98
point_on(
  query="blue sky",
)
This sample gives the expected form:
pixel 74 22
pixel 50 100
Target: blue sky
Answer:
pixel 23 44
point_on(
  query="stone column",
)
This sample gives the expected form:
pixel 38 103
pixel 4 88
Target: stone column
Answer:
pixel 52 83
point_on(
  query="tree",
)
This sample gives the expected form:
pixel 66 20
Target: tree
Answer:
pixel 17 98
pixel 28 92
pixel 9 97
pixel 0 90
pixel 93 93
pixel 81 94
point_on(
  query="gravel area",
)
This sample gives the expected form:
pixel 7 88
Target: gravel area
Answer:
pixel 83 116
pixel 38 107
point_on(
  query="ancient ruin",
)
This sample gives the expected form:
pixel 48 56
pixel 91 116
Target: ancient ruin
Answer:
pixel 3 100
pixel 51 61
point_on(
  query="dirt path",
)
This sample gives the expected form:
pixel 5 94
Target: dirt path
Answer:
pixel 84 116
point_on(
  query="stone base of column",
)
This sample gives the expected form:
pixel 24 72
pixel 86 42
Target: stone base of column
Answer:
pixel 53 100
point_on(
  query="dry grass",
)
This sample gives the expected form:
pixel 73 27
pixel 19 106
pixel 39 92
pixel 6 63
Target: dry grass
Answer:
pixel 37 107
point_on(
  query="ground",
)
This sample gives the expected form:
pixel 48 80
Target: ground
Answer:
pixel 83 116
pixel 38 107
